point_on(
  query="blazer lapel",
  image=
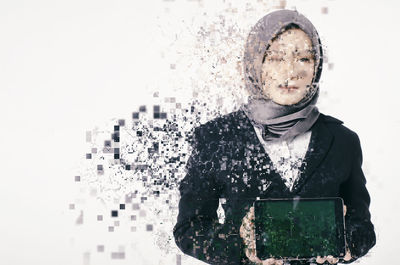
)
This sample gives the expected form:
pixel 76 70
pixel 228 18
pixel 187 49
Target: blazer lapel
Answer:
pixel 255 152
pixel 320 143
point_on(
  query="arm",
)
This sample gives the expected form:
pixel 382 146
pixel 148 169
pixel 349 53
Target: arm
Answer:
pixel 360 233
pixel 197 231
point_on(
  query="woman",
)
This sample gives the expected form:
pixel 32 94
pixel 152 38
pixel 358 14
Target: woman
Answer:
pixel 278 145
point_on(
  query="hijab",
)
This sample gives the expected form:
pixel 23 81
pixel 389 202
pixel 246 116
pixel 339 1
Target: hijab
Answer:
pixel 279 121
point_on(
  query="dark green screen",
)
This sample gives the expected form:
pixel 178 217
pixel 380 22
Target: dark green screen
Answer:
pixel 296 229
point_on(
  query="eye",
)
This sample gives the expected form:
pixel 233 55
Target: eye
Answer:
pixel 305 59
pixel 275 59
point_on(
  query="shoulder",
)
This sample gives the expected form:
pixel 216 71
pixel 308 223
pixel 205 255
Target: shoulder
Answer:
pixel 339 129
pixel 221 127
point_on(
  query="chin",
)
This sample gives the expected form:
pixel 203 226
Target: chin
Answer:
pixel 287 102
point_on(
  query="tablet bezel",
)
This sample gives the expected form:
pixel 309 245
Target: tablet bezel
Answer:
pixel 340 224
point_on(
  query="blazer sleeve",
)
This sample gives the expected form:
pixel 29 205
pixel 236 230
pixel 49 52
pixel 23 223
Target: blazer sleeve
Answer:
pixel 197 231
pixel 360 235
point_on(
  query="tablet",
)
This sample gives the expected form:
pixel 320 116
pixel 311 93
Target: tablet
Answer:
pixel 299 228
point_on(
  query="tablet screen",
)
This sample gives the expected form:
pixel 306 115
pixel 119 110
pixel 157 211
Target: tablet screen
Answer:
pixel 299 228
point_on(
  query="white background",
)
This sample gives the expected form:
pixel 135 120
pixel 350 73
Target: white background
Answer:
pixel 69 66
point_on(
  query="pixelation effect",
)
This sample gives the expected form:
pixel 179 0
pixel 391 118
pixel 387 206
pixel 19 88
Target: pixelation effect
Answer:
pixel 135 168
pixel 182 175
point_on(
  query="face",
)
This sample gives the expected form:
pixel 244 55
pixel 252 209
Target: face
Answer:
pixel 288 69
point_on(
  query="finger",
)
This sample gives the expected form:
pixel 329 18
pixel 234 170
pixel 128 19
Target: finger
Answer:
pixel 244 230
pixel 332 260
pixel 251 213
pixel 344 210
pixel 251 243
pixel 250 254
pixel 278 262
pixel 247 219
pixel 320 259
pixel 241 232
pixel 252 257
pixel 270 261
pixel 251 210
pixel 347 257
pixel 256 260
pixel 244 233
pixel 248 215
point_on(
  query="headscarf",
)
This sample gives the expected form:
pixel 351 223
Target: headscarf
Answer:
pixel 279 121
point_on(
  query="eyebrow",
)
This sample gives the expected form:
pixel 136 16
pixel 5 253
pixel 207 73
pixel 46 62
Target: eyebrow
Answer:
pixel 275 51
pixel 312 52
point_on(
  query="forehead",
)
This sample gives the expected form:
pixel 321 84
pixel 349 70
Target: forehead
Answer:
pixel 292 39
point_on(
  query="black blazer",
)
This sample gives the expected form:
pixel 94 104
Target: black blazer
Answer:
pixel 228 161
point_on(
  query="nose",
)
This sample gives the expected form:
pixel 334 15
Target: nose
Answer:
pixel 295 71
pixel 292 73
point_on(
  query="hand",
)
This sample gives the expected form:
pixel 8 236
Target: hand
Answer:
pixel 247 232
pixel 331 259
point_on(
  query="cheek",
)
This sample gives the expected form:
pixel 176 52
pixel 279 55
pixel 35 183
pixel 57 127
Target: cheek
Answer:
pixel 303 74
pixel 267 76
pixel 275 75
pixel 309 72
pixel 306 74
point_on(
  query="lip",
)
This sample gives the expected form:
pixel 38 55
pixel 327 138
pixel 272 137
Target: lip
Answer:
pixel 288 87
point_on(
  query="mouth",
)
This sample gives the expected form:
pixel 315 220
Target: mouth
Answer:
pixel 288 88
